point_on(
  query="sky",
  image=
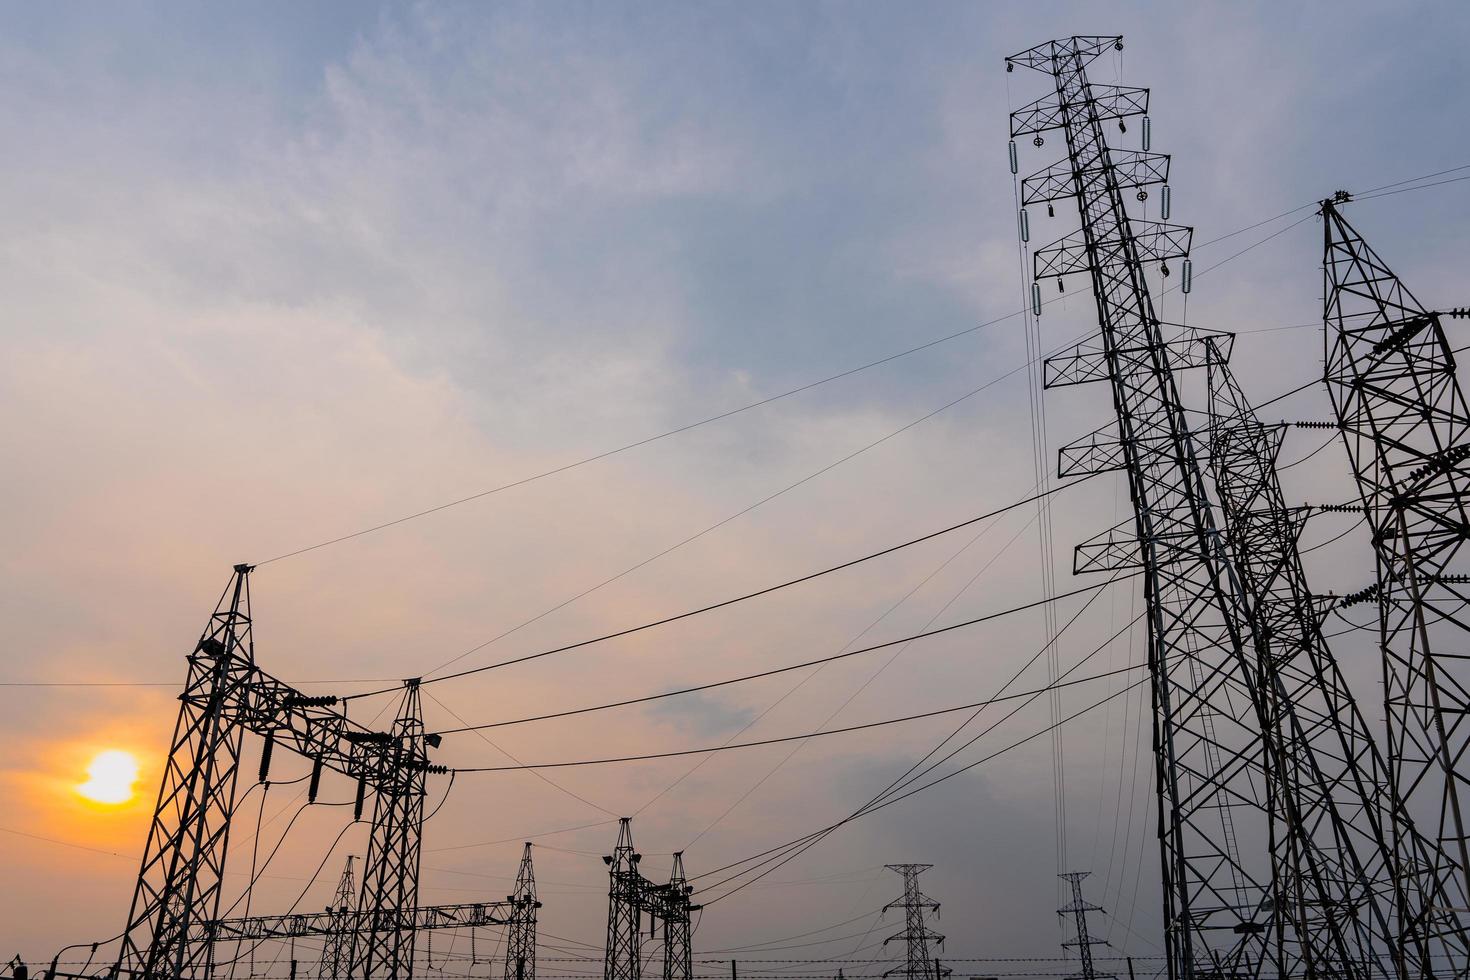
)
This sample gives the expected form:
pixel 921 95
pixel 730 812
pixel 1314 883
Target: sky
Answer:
pixel 275 274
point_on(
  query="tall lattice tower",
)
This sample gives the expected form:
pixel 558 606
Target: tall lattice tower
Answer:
pixel 1391 375
pixel 623 959
pixel 678 948
pixel 1207 741
pixel 390 880
pixel 919 940
pixel 1078 909
pixel 1339 826
pixel 1219 740
pixel 520 949
pixel 337 946
pixel 183 864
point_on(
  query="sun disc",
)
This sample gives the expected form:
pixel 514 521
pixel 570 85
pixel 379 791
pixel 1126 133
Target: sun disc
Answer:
pixel 111 777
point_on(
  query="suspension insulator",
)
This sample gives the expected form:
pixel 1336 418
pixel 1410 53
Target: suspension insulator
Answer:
pixel 1025 226
pixel 1015 163
pixel 1186 276
pixel 265 756
pixel 1036 299
pixel 361 793
pixel 1147 132
pixel 1164 203
pixel 316 780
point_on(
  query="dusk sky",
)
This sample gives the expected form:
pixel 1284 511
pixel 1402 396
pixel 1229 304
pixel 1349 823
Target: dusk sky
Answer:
pixel 277 273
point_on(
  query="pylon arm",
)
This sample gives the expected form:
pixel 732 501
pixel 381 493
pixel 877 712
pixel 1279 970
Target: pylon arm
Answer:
pixel 1109 102
pixel 1088 361
pixel 1097 452
pixel 1155 241
pixel 1132 168
pixel 1085 48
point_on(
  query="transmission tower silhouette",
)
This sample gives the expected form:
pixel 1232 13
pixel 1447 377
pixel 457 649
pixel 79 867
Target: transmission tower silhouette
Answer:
pixel 919 940
pixel 1084 942
pixel 337 947
pixel 1242 699
pixel 520 937
pixel 1390 372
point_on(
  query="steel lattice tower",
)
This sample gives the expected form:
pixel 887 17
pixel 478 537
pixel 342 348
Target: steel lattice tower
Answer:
pixel 184 857
pixel 1084 942
pixel 520 940
pixel 390 880
pixel 919 940
pixel 337 948
pixel 624 956
pixel 1211 760
pixel 678 952
pixel 1391 375
pixel 1333 825
pixel 630 897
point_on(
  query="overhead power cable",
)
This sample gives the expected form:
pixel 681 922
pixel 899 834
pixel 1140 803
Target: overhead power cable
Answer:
pixel 780 670
pixel 730 602
pixel 817 734
pixel 849 372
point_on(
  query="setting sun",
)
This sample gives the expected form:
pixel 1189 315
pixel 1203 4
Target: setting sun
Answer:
pixel 112 774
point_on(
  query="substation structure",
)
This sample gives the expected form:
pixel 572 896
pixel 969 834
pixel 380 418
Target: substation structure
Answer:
pixel 174 926
pixel 630 897
pixel 1290 844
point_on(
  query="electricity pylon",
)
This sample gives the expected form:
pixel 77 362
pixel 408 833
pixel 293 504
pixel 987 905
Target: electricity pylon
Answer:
pixel 919 940
pixel 630 897
pixel 390 880
pixel 337 948
pixel 1084 942
pixel 1337 823
pixel 1391 375
pixel 520 939
pixel 226 695
pixel 183 864
pixel 1220 742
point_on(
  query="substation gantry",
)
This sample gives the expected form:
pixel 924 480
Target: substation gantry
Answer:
pixel 226 695
pixel 631 897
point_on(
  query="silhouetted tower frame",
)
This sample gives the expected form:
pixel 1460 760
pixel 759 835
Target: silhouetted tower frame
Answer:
pixel 632 896
pixel 1334 835
pixel 1207 715
pixel 225 695
pixel 337 948
pixel 390 880
pixel 340 924
pixel 1078 909
pixel 520 939
pixel 920 942
pixel 1390 373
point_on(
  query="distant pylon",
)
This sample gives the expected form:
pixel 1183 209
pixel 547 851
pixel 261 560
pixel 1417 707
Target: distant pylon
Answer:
pixel 520 942
pixel 919 940
pixel 678 954
pixel 1084 942
pixel 337 948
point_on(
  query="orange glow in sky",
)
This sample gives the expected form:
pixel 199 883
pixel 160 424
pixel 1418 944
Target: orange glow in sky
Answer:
pixel 112 775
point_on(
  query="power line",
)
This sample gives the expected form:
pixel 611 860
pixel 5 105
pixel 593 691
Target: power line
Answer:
pixel 792 738
pixel 778 670
pixel 730 602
